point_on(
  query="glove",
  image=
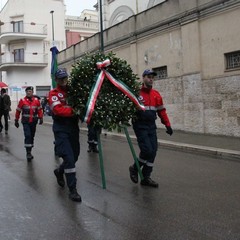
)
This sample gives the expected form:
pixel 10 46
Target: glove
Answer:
pixel 40 121
pixel 16 123
pixel 169 130
pixel 76 112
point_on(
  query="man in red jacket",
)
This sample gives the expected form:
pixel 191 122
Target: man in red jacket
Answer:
pixel 66 134
pixel 31 110
pixel 145 129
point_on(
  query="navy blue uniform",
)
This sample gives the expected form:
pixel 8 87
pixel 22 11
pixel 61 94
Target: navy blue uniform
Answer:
pixel 145 127
pixel 31 110
pixel 66 134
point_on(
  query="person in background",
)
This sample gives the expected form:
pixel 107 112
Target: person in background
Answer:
pixel 66 135
pixel 145 129
pixel 92 139
pixel 5 108
pixel 31 110
pixel 36 96
pixel 44 102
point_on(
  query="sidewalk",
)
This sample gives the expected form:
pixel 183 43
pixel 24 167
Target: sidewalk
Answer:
pixel 220 146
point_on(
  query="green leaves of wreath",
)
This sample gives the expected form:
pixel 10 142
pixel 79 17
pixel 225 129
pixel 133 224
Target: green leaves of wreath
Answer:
pixel 112 108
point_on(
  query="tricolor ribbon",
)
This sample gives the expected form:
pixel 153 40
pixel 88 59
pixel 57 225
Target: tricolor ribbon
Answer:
pixel 97 86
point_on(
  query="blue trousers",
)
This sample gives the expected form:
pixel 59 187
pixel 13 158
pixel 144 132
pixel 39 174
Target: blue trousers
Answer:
pixel 92 134
pixel 67 147
pixel 29 130
pixel 147 142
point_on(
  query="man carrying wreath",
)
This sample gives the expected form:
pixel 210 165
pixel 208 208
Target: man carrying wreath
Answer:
pixel 145 129
pixel 66 134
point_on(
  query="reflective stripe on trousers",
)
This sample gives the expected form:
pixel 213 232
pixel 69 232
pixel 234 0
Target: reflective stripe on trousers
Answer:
pixel 29 130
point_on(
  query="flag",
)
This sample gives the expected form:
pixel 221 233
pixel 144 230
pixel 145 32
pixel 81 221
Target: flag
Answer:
pixel 54 64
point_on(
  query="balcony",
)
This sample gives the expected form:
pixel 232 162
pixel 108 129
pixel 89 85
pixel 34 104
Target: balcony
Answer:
pixel 9 60
pixel 19 30
pixel 73 24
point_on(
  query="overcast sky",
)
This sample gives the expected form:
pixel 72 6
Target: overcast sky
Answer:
pixel 74 7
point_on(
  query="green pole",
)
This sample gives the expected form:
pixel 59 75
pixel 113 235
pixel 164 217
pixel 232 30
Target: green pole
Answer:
pixel 101 160
pixel 133 152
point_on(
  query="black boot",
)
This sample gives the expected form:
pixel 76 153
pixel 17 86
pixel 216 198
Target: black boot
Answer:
pixel 90 147
pixel 133 174
pixel 147 181
pixel 94 148
pixel 29 154
pixel 74 196
pixel 60 177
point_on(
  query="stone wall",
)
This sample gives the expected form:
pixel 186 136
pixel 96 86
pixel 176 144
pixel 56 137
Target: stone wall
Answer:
pixel 209 106
pixel 200 95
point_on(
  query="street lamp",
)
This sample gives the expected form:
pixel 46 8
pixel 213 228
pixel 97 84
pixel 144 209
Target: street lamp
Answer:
pixel 52 26
pixel 101 26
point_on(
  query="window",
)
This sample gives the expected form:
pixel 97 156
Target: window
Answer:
pixel 232 60
pixel 42 91
pixel 18 26
pixel 19 55
pixel 161 72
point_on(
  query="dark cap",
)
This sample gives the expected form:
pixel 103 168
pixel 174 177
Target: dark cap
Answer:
pixel 149 72
pixel 61 73
pixel 29 88
pixel 3 90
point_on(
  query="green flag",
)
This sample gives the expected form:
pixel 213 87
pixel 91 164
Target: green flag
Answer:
pixel 54 64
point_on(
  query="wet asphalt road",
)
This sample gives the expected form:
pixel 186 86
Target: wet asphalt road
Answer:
pixel 198 196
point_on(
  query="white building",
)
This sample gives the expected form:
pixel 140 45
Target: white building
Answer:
pixel 82 27
pixel 115 11
pixel 27 31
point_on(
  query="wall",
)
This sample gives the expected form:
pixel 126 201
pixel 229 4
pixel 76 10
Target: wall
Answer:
pixel 191 40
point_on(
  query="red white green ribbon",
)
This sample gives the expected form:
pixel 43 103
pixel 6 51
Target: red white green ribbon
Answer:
pixel 96 88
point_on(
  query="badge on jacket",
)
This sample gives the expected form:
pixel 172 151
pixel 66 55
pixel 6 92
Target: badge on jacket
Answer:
pixel 54 98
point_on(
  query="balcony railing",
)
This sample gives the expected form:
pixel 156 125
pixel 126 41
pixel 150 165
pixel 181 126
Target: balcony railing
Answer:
pixel 11 31
pixel 71 24
pixel 27 59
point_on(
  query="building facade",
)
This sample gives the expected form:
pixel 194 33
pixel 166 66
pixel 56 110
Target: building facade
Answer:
pixel 194 48
pixel 116 11
pixel 28 30
pixel 82 27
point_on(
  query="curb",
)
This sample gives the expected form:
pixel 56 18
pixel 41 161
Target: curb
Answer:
pixel 185 147
pixel 218 152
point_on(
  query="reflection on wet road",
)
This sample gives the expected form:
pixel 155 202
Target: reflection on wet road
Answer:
pixel 198 196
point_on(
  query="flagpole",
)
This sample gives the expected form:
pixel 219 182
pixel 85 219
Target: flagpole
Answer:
pixel 52 27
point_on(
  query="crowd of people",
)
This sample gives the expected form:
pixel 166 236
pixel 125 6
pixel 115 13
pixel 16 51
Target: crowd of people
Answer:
pixel 66 129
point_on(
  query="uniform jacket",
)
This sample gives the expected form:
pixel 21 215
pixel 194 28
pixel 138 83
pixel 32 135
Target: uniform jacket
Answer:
pixel 5 102
pixel 62 113
pixel 58 104
pixel 153 103
pixel 31 110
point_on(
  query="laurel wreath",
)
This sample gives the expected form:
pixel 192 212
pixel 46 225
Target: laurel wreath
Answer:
pixel 112 109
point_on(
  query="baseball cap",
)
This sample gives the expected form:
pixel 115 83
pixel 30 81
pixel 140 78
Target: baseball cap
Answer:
pixel 149 72
pixel 29 88
pixel 61 73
